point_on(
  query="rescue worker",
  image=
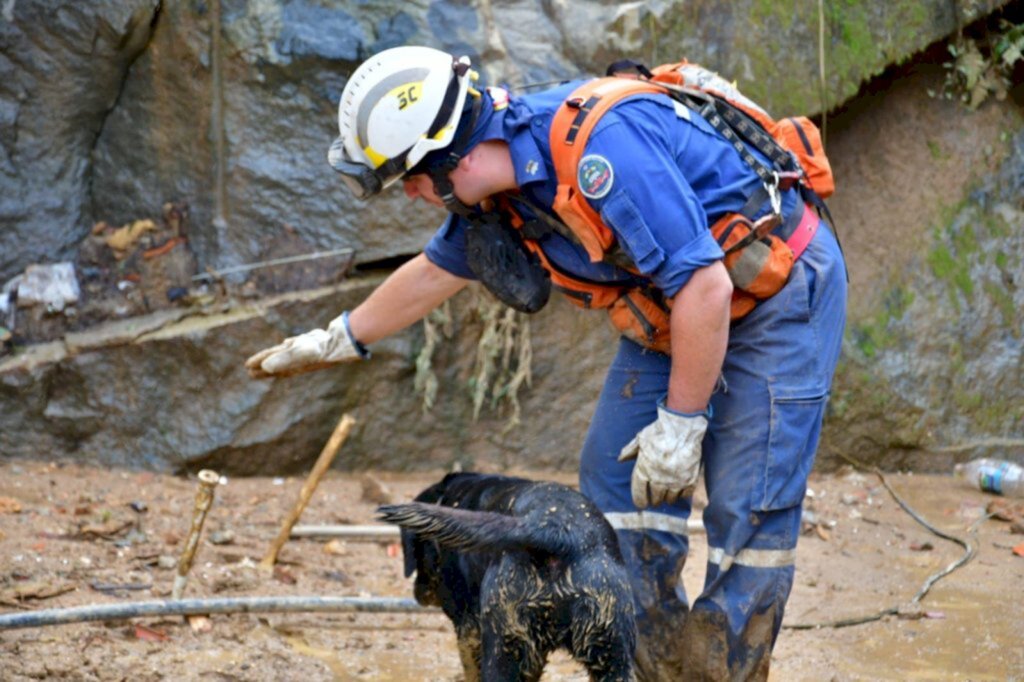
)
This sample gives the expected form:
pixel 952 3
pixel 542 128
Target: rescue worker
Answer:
pixel 743 399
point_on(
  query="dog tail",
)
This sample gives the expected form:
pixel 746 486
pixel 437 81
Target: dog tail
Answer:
pixel 472 530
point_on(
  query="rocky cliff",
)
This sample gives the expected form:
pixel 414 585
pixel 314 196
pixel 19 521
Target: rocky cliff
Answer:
pixel 110 110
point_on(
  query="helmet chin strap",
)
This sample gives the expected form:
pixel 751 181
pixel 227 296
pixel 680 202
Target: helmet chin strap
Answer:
pixel 439 173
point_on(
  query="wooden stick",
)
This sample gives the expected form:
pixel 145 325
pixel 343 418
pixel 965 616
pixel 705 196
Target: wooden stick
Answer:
pixel 204 499
pixel 341 432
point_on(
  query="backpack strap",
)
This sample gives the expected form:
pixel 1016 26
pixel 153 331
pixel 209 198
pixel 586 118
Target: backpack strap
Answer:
pixel 573 122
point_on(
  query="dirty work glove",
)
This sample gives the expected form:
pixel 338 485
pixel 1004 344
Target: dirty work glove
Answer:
pixel 315 349
pixel 667 454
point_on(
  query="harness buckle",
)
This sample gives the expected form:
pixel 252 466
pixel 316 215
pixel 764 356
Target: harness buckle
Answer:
pixel 773 193
pixel 764 225
pixel 575 102
pixel 788 179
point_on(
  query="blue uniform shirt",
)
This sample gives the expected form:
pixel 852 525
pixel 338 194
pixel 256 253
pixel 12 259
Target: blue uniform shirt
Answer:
pixel 659 175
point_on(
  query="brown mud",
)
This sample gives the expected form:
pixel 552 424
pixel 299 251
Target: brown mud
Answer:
pixel 72 532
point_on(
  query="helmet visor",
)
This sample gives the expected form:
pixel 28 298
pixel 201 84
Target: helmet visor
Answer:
pixel 361 180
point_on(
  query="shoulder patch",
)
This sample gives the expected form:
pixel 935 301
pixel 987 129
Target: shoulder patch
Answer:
pixel 595 176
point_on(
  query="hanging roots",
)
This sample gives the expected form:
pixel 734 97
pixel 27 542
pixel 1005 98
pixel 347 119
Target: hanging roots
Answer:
pixel 503 357
pixel 435 325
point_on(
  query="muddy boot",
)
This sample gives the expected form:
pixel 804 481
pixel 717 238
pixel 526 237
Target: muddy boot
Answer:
pixel 706 646
pixel 660 604
pixel 660 654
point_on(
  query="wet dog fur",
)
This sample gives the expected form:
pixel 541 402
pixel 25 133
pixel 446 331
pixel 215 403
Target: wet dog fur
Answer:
pixel 521 568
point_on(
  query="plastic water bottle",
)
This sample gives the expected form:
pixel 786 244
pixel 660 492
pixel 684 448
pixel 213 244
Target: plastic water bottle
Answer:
pixel 993 475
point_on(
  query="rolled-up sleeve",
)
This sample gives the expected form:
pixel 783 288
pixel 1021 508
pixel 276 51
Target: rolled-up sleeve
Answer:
pixel 655 214
pixel 447 248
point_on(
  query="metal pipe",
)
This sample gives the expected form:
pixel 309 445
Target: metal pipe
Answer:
pixel 392 533
pixel 323 462
pixel 357 533
pixel 204 499
pixel 193 607
pixel 217 274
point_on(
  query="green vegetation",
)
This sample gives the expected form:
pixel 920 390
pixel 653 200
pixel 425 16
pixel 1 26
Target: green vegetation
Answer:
pixel 876 333
pixel 437 324
pixel 503 355
pixel 983 67
pixel 936 151
pixel 1003 300
pixel 945 267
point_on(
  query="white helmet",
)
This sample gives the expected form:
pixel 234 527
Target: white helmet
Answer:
pixel 398 106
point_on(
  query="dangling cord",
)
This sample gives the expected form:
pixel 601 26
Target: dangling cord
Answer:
pixel 821 71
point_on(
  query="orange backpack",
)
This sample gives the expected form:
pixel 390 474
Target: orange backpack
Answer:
pixel 758 262
pixel 797 135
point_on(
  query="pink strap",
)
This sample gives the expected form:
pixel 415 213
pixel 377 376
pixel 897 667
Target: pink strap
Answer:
pixel 804 231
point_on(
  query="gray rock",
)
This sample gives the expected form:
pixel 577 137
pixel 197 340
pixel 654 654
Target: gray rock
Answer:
pixel 177 398
pixel 61 72
pixel 109 109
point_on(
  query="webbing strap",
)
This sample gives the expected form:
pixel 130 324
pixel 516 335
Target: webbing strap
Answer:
pixel 709 112
pixel 581 115
pixel 799 228
pixel 736 127
pixel 615 256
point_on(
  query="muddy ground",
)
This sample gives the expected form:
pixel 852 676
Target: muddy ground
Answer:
pixel 70 536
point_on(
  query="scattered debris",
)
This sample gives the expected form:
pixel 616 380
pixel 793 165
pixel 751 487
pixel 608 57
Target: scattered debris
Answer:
pixel 199 624
pixel 339 577
pixel 336 547
pixel 122 239
pixel 374 491
pixel 53 286
pixel 283 575
pixel 107 530
pixel 1006 510
pixel 910 611
pixel 149 634
pixel 922 546
pixel 222 537
pixel 120 587
pixel 9 505
pixel 14 596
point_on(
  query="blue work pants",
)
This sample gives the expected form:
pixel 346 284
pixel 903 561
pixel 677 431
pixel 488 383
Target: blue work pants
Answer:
pixel 757 454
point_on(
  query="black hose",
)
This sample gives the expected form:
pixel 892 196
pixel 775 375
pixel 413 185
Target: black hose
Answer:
pixel 969 552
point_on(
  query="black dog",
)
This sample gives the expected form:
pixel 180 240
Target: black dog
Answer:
pixel 521 568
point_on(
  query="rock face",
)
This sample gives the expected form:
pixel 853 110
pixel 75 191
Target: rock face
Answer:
pixel 936 372
pixel 108 110
pixel 168 392
pixel 61 73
